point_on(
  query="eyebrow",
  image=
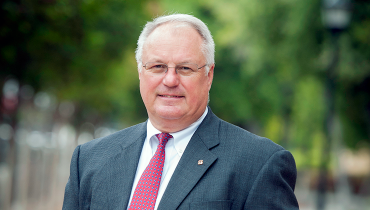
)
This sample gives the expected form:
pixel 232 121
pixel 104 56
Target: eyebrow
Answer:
pixel 158 60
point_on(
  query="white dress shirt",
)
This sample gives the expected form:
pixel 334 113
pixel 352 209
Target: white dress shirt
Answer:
pixel 175 147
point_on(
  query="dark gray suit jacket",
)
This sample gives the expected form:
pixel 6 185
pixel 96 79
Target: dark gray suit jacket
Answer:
pixel 240 171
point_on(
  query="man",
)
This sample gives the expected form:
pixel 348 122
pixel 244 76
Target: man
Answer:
pixel 183 156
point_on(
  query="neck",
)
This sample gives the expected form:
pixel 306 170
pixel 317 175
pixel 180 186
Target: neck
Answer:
pixel 173 125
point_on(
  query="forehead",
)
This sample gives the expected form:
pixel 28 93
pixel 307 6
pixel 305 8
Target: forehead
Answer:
pixel 174 28
pixel 174 40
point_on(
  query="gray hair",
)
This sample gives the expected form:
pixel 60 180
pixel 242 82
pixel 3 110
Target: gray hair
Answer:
pixel 208 46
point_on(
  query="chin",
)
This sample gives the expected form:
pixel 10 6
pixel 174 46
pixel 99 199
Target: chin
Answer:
pixel 170 113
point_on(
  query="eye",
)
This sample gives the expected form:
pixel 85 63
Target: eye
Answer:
pixel 158 66
pixel 185 68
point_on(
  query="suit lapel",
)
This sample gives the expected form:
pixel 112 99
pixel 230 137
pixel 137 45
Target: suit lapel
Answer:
pixel 188 172
pixel 119 172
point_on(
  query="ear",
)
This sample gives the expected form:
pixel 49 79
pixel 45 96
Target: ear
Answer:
pixel 139 70
pixel 210 76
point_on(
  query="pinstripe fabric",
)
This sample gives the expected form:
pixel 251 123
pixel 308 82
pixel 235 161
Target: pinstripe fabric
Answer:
pixel 240 171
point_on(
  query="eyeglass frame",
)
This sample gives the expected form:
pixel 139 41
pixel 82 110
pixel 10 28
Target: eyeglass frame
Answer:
pixel 198 68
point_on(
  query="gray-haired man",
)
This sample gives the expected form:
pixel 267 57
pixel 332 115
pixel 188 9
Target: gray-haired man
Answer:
pixel 183 156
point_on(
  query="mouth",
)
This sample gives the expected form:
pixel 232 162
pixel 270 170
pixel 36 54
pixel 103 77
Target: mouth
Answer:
pixel 171 96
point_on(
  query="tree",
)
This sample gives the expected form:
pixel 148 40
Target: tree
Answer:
pixel 78 50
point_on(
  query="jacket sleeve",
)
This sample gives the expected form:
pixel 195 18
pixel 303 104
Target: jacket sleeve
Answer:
pixel 274 185
pixel 71 194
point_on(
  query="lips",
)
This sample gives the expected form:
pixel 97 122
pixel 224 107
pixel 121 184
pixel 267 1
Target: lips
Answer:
pixel 171 96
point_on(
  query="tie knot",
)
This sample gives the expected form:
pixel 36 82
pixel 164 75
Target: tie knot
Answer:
pixel 163 138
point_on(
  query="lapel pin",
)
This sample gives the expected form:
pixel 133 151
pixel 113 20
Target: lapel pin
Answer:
pixel 200 162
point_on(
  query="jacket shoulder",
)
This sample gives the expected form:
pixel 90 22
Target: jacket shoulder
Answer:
pixel 115 138
pixel 235 136
pixel 97 151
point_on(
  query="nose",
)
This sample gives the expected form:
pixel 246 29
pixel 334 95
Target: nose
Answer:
pixel 171 78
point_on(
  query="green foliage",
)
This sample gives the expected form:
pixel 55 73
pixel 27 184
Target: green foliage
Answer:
pixel 271 62
pixel 308 112
pixel 75 49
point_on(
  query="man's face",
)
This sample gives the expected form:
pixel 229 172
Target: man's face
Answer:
pixel 173 102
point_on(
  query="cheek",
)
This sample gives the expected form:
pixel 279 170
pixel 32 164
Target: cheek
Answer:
pixel 144 89
pixel 147 87
pixel 197 91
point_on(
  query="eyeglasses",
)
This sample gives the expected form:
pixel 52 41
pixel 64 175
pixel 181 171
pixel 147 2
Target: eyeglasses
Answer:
pixel 186 69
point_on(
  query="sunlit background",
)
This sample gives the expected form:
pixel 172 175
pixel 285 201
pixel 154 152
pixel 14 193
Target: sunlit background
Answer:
pixel 297 72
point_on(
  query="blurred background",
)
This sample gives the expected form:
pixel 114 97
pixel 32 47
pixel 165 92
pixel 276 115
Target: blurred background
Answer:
pixel 297 72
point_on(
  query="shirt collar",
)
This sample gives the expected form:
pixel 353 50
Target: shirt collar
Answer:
pixel 178 136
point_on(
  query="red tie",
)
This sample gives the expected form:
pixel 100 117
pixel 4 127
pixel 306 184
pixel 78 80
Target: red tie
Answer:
pixel 146 190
